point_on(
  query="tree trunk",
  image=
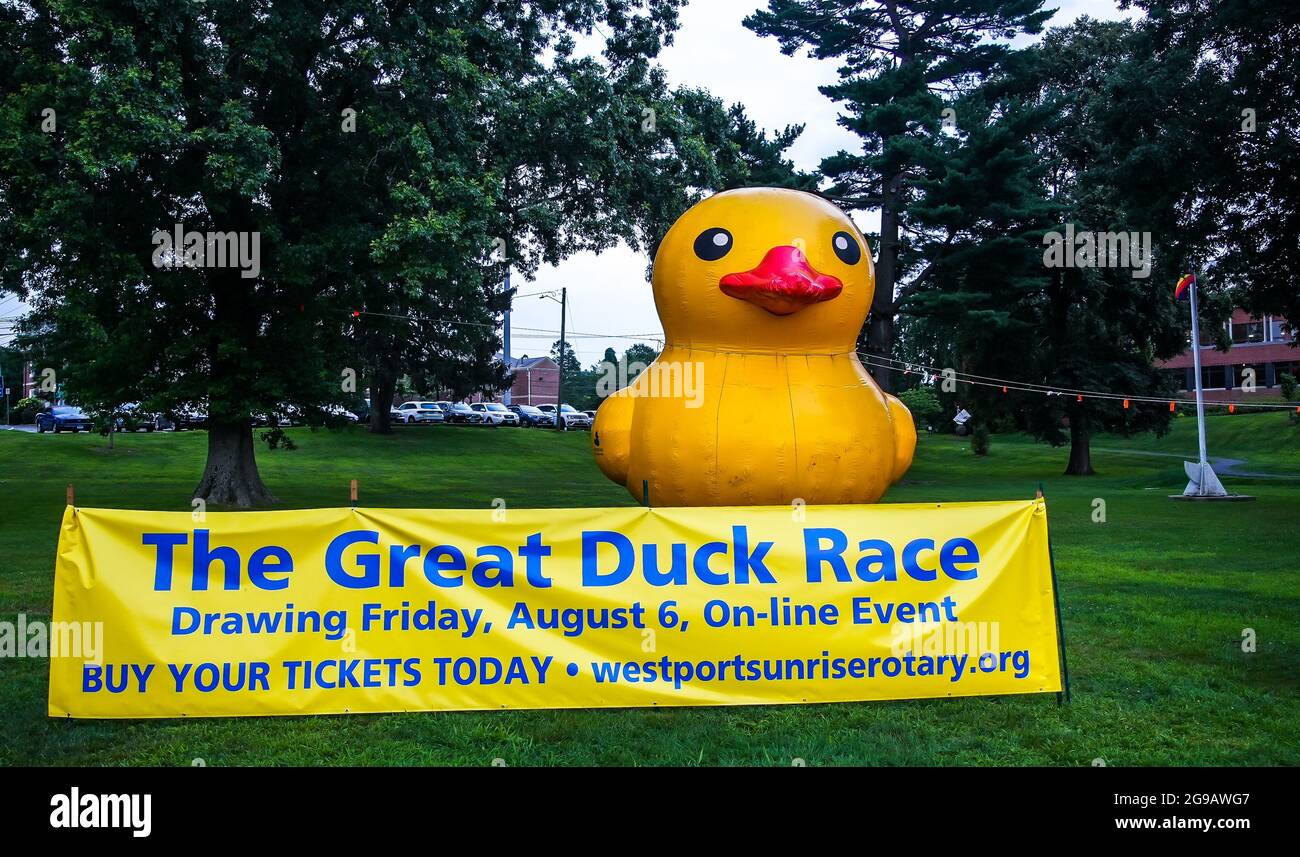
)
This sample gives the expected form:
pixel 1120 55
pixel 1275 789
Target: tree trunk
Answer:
pixel 382 386
pixel 230 477
pixel 1080 451
pixel 880 324
pixel 880 342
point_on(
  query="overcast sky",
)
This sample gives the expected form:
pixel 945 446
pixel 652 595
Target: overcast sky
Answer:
pixel 608 293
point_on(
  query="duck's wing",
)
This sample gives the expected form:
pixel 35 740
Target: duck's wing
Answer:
pixel 904 436
pixel 611 435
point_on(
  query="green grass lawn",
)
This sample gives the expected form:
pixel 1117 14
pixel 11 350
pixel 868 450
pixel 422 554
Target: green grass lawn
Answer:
pixel 1154 601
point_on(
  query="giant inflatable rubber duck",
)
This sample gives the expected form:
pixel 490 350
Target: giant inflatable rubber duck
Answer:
pixel 759 397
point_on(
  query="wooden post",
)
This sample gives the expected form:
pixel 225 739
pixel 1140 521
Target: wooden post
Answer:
pixel 353 493
pixel 72 495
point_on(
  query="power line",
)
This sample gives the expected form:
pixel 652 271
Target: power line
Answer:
pixel 1007 385
pixel 493 326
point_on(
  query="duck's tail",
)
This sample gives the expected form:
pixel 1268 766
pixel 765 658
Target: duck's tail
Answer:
pixel 904 436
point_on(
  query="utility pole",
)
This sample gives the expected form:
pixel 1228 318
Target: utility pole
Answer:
pixel 559 386
pixel 505 342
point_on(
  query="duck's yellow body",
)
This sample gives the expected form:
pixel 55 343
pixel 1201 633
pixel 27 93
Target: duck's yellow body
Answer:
pixel 758 397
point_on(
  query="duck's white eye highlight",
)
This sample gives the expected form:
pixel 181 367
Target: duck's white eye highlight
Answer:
pixel 712 244
pixel 841 243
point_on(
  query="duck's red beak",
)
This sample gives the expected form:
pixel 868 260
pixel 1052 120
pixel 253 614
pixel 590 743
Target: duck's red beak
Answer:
pixel 783 283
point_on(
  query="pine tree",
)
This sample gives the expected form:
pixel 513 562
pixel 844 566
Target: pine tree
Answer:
pixel 901 63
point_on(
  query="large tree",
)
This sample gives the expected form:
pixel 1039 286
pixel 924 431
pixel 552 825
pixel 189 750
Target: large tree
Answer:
pixel 316 129
pixel 902 61
pixel 390 159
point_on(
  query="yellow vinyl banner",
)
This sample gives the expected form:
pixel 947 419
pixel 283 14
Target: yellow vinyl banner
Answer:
pixel 365 610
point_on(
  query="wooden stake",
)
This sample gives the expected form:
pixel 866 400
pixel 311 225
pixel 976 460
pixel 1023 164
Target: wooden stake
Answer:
pixel 353 491
pixel 72 495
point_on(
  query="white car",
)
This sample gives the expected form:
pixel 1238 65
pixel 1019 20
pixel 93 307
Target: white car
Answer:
pixel 570 416
pixel 338 412
pixel 417 412
pixel 496 414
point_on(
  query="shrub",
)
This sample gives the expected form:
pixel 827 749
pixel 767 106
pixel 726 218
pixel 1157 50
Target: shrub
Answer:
pixel 923 403
pixel 979 441
pixel 27 409
pixel 1288 382
pixel 275 438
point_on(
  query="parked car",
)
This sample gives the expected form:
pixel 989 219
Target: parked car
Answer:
pixel 130 417
pixel 463 413
pixel 574 418
pixel 415 412
pixel 289 415
pixel 189 417
pixel 496 414
pixel 571 417
pixel 432 413
pixel 530 416
pixel 63 418
pixel 332 415
pixel 591 415
pixel 283 415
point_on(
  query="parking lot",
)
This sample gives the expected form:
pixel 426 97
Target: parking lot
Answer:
pixel 65 419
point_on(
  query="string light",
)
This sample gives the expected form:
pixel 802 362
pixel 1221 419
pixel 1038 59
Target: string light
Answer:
pixel 930 374
pixel 1043 389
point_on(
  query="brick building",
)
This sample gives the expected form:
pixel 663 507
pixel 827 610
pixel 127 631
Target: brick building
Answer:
pixel 1261 345
pixel 536 381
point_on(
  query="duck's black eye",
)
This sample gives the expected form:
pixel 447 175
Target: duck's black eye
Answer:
pixel 713 244
pixel 846 248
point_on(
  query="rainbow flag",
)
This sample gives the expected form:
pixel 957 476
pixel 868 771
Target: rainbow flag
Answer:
pixel 1181 288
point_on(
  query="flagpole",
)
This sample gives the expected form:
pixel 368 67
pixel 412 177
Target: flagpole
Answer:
pixel 1196 359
